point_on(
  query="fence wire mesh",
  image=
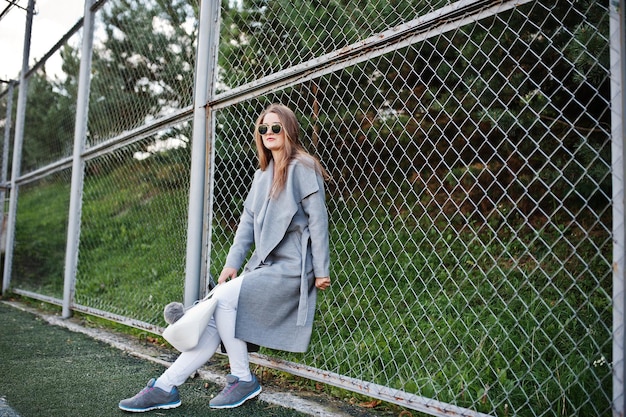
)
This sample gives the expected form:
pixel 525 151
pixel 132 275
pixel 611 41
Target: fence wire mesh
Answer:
pixel 470 191
pixel 132 231
pixel 40 235
pixel 141 72
pixel 48 125
pixel 469 200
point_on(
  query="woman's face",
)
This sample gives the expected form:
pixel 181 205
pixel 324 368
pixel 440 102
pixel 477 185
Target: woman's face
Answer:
pixel 273 141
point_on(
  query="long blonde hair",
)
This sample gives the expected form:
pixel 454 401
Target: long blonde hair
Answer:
pixel 292 147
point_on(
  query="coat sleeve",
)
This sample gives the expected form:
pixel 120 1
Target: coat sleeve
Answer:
pixel 243 240
pixel 244 237
pixel 314 206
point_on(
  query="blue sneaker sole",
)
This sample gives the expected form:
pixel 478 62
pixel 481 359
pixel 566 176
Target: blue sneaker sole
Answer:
pixel 238 403
pixel 154 407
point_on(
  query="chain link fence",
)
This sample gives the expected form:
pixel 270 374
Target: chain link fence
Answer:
pixel 469 148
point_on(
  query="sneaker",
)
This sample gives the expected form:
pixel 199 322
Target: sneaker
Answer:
pixel 151 398
pixel 236 393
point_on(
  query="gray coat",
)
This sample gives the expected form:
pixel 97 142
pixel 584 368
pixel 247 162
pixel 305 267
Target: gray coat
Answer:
pixel 290 237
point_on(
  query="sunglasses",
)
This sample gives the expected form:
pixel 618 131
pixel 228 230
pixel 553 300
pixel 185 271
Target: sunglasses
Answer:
pixel 276 128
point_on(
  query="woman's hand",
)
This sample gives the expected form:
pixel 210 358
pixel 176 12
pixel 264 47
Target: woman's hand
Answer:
pixel 227 273
pixel 322 283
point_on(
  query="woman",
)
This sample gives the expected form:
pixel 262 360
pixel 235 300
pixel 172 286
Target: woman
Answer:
pixel 272 302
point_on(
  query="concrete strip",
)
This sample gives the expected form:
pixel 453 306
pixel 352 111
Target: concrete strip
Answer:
pixel 6 410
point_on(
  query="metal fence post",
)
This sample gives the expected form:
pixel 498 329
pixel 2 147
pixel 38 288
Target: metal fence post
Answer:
pixel 5 156
pixel 78 164
pixel 618 133
pixel 17 149
pixel 205 75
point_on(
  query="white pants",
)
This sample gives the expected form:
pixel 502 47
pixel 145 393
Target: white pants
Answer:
pixel 220 328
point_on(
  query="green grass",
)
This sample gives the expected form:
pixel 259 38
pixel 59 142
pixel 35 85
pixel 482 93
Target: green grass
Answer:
pixel 40 236
pixel 505 317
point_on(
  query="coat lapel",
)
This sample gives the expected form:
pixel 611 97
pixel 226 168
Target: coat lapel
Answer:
pixel 273 216
pixel 280 211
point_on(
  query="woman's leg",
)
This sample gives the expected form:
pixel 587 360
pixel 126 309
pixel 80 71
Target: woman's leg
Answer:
pixel 241 384
pixel 162 393
pixel 188 362
pixel 221 327
pixel 225 317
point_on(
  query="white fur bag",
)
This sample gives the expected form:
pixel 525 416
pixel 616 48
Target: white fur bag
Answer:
pixel 184 334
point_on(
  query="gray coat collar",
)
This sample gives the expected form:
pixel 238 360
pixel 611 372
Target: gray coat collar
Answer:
pixel 271 227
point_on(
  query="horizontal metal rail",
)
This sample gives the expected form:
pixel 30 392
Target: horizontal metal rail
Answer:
pixel 118 142
pixel 380 392
pixel 138 324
